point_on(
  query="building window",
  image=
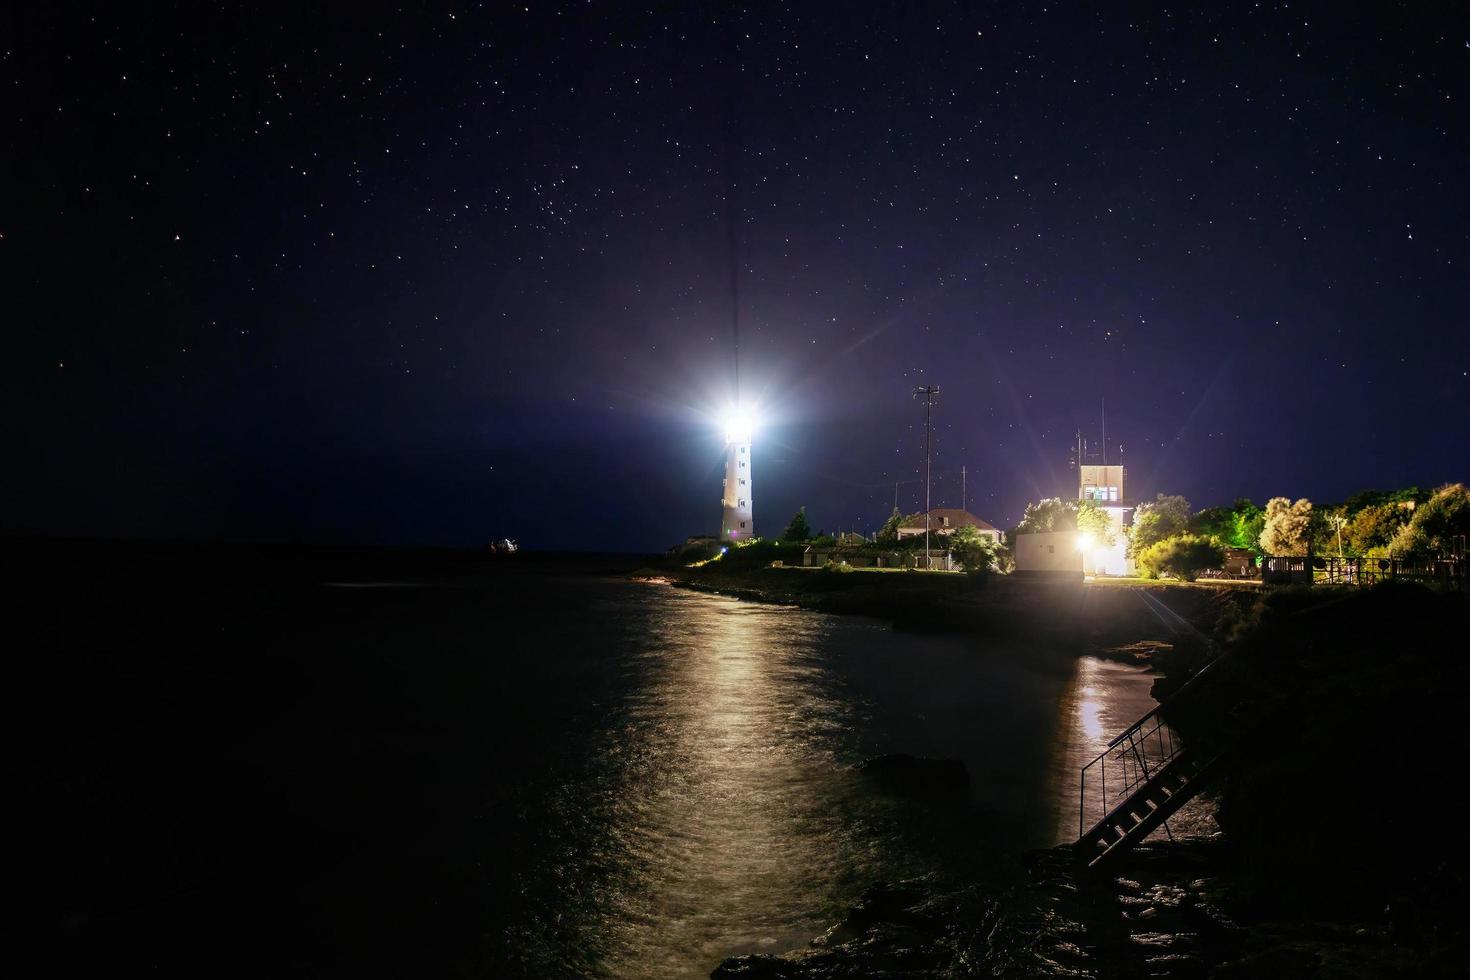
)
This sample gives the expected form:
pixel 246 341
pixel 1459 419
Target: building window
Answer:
pixel 742 450
pixel 742 524
pixel 945 520
pixel 742 503
pixel 1051 549
pixel 742 482
pixel 742 464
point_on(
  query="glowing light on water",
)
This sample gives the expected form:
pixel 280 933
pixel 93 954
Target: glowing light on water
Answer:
pixel 1089 712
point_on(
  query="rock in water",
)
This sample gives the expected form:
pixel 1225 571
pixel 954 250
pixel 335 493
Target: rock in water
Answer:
pixel 757 966
pixel 908 775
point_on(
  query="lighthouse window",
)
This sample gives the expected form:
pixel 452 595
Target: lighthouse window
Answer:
pixel 742 464
pixel 742 450
pixel 742 503
pixel 742 482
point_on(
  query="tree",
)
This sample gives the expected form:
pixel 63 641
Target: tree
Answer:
pixel 1371 530
pixel 1236 526
pixel 1436 524
pixel 889 530
pixel 798 530
pixel 1183 556
pixel 1247 524
pixel 1093 520
pixel 1052 514
pixel 974 550
pixel 1153 522
pixel 1321 532
pixel 1377 498
pixel 1287 528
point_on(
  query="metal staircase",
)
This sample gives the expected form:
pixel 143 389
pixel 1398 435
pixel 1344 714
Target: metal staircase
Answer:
pixel 1146 793
pixel 1147 773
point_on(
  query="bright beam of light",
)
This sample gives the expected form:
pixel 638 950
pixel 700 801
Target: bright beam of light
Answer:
pixel 739 426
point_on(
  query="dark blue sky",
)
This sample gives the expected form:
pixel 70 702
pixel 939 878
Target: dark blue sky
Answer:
pixel 439 275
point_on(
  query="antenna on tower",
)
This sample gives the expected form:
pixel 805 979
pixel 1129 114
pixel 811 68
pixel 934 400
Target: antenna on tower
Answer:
pixel 1105 429
pixel 732 194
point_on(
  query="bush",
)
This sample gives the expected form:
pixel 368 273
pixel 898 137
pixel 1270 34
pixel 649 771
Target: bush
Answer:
pixel 973 550
pixel 1183 556
pixel 1153 522
pixel 837 567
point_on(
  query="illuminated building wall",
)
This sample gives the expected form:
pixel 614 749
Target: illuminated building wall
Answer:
pixel 1105 486
pixel 738 518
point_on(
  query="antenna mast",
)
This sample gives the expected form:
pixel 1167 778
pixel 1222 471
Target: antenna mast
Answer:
pixel 928 391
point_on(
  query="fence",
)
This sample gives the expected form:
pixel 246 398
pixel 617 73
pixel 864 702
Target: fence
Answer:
pixel 1329 570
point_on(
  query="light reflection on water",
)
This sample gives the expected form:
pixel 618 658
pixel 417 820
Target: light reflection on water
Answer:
pixel 733 815
pixel 716 813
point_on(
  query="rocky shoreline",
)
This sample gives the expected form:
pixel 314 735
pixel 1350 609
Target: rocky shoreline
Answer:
pixel 1099 618
pixel 1172 910
pixel 1319 871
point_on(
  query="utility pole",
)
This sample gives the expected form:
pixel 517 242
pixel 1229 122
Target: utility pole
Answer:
pixel 928 391
pixel 964 492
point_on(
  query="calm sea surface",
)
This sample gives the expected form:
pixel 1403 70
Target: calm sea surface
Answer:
pixel 682 788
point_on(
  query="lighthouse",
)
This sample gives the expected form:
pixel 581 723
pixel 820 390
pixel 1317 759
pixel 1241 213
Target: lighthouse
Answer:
pixel 737 522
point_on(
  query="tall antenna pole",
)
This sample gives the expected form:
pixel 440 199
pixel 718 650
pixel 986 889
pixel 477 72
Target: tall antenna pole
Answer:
pixel 928 391
pixel 964 491
pixel 732 193
pixel 1105 429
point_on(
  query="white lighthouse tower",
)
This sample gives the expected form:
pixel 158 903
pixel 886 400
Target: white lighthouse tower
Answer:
pixel 737 522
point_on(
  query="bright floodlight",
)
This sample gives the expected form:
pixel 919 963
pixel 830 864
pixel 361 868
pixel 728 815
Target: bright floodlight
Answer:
pixel 1084 541
pixel 738 427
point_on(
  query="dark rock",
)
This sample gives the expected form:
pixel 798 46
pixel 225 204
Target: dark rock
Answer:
pixel 908 775
pixel 757 966
pixel 884 902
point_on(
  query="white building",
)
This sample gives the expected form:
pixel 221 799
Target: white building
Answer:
pixel 1048 552
pixel 737 522
pixel 1073 552
pixel 946 520
pixel 1104 486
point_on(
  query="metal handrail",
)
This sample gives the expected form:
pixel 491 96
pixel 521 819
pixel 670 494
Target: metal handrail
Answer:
pixel 1139 762
pixel 1169 749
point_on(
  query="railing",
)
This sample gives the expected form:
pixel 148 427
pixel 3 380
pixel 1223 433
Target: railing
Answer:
pixel 1128 762
pixel 1144 747
pixel 1328 570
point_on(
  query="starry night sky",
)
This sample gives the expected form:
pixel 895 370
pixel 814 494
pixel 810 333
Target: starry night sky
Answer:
pixel 464 271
